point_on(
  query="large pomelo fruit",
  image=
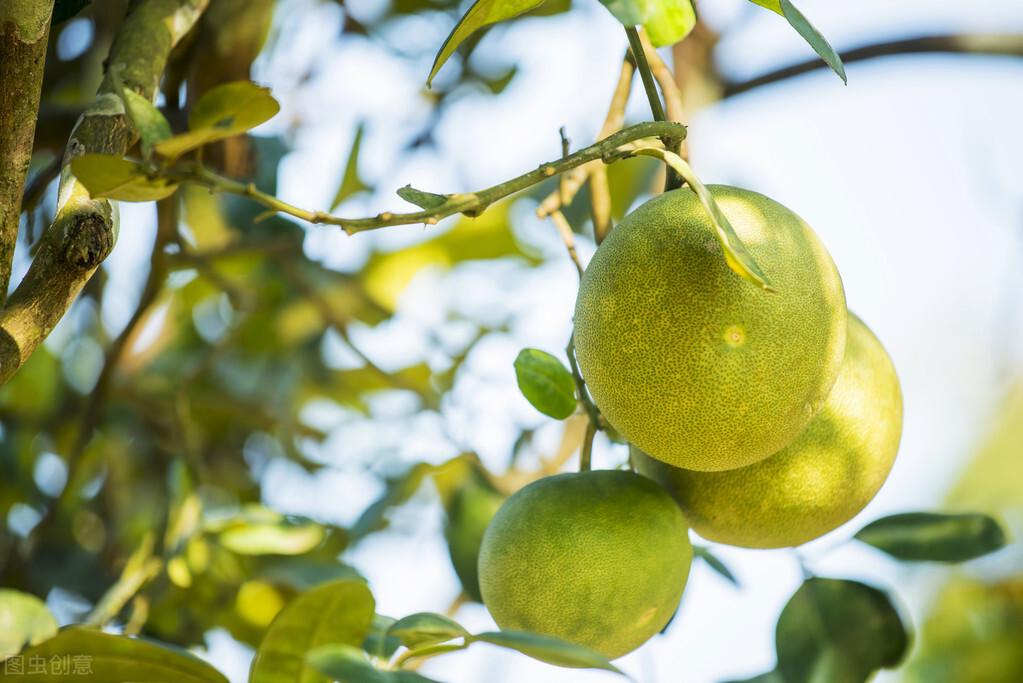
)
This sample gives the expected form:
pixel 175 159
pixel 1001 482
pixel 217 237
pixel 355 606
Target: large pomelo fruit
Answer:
pixel 692 363
pixel 819 481
pixel 597 558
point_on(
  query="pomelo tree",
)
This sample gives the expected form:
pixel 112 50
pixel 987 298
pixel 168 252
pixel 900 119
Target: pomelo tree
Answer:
pixel 711 346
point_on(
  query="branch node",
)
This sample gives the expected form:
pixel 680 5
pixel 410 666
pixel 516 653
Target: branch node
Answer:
pixel 88 241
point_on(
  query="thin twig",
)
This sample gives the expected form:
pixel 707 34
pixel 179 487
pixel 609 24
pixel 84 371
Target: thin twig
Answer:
pixel 672 97
pixel 573 180
pixel 610 149
pixel 1007 44
pixel 568 237
pixel 639 54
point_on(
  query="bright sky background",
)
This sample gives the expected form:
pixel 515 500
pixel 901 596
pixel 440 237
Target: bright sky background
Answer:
pixel 910 174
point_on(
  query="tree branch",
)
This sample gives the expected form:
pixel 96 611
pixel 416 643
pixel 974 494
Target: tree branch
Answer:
pixel 84 229
pixel 24 31
pixel 1009 45
pixel 610 149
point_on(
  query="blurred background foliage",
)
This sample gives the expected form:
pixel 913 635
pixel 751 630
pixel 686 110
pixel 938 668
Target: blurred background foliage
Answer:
pixel 159 432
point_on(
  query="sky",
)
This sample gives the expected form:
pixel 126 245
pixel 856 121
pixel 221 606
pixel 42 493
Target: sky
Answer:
pixel 909 174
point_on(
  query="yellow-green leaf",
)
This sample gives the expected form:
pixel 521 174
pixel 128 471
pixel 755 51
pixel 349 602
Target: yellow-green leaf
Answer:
pixel 738 258
pixel 336 613
pixel 24 620
pixel 482 13
pixel 113 177
pixel 83 655
pixel 665 21
pixel 223 112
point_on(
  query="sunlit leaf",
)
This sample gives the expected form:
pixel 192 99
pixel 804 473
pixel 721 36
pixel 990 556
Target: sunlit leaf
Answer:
pixel 93 656
pixel 812 36
pixel 548 649
pixel 351 182
pixel 426 628
pixel 809 33
pixel 350 665
pixel 546 383
pixel 665 21
pixel 272 539
pixel 736 255
pixel 669 21
pixel 844 628
pixel 482 13
pixel 113 177
pixel 222 112
pixel 716 564
pixel 24 620
pixel 929 536
pixel 336 613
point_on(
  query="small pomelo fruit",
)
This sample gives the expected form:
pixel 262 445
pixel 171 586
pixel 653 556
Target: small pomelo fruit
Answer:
pixel 819 481
pixel 690 362
pixel 597 558
pixel 471 508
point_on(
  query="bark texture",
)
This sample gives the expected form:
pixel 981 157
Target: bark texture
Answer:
pixel 84 229
pixel 24 30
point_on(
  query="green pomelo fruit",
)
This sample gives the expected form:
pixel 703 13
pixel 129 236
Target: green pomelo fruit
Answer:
pixel 692 363
pixel 598 558
pixel 818 482
pixel 471 509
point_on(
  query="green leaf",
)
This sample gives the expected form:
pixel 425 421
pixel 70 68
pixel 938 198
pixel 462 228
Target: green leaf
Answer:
pixel 844 628
pixel 223 112
pixel 482 13
pixel 928 536
pixel 112 177
pixel 547 649
pixel 545 383
pixel 339 612
pixel 716 564
pixel 351 182
pixel 426 628
pixel 378 642
pixel 809 33
pixel 736 255
pixel 349 665
pixel 812 36
pixel 773 5
pixel 665 21
pixel 82 655
pixel 280 538
pixel 668 21
pixel 24 620
pixel 149 123
pixel 424 200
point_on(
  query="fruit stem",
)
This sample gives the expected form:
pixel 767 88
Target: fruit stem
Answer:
pixel 639 55
pixel 672 180
pixel 587 447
